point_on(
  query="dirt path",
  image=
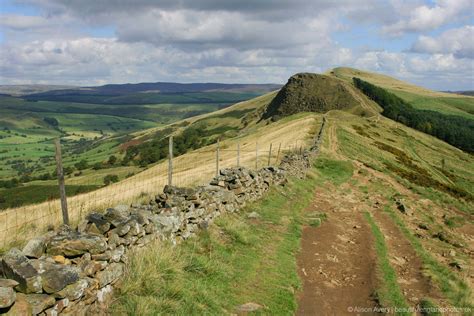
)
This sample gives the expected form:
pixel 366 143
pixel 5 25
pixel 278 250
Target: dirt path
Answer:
pixel 403 258
pixel 337 261
pixel 333 141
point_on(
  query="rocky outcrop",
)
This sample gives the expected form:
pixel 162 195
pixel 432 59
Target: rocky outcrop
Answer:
pixel 72 271
pixel 309 92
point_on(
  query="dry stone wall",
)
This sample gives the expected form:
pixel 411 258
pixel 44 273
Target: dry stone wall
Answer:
pixel 72 271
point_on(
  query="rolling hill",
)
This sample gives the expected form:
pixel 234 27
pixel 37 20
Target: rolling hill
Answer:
pixel 401 197
pixel 419 97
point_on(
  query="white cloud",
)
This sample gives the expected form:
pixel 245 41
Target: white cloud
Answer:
pixel 227 41
pixel 459 42
pixel 22 22
pixel 426 18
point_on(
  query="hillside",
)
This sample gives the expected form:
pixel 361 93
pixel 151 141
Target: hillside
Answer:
pixel 419 97
pixel 19 90
pixel 91 135
pixel 401 198
pixel 313 93
pixel 159 92
pixel 377 223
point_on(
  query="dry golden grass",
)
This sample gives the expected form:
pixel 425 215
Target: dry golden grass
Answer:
pixel 194 168
pixel 252 104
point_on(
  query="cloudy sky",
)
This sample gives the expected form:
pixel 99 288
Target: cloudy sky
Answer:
pixel 91 42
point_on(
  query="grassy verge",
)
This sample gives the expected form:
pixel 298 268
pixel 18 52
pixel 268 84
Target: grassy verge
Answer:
pixel 455 289
pixel 389 293
pixel 336 171
pixel 236 261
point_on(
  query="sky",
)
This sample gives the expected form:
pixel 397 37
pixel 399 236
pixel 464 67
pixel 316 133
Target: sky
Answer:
pixel 94 42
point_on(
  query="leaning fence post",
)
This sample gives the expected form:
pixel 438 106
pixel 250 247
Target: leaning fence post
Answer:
pixel 238 154
pixel 217 158
pixel 278 154
pixel 256 156
pixel 170 162
pixel 62 187
pixel 270 154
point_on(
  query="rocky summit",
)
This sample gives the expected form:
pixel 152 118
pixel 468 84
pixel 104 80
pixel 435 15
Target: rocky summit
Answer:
pixel 308 92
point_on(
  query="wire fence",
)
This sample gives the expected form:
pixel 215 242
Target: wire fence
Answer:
pixel 138 186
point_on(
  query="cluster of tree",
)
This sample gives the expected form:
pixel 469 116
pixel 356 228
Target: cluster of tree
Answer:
pixel 8 184
pixel 112 161
pixel 455 130
pixel 51 121
pixel 155 150
pixel 25 175
pixel 110 178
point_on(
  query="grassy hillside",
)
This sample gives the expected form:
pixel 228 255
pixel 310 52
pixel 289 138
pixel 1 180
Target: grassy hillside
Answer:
pixel 421 98
pixel 91 134
pixel 235 125
pixel 361 172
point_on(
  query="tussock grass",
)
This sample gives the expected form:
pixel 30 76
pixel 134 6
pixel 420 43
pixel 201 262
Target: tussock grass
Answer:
pixel 236 261
pixel 389 293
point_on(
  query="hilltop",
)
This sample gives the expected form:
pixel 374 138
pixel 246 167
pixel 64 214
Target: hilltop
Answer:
pixel 419 97
pixel 306 92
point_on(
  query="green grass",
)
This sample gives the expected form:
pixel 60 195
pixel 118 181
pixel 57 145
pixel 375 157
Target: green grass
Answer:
pixel 454 221
pixel 454 288
pixel 235 261
pixel 336 171
pixel 428 308
pixel 389 292
pixel 451 106
pixel 31 194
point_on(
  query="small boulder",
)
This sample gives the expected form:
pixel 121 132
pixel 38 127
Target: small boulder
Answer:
pixel 253 215
pixel 73 291
pixel 57 308
pixel 8 283
pixel 7 297
pixel 99 222
pixel 21 307
pixel 59 259
pixel 34 248
pixel 40 302
pixel 104 293
pixel 56 277
pixel 70 243
pixel 249 307
pixel 16 266
pixel 117 215
pixel 110 274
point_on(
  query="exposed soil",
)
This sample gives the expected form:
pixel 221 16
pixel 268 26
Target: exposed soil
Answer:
pixel 337 261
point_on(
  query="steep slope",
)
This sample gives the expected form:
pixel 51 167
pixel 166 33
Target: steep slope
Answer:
pixel 419 97
pixel 307 92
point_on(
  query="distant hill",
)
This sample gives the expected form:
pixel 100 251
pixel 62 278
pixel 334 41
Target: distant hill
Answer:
pixel 468 92
pixel 146 93
pixel 24 89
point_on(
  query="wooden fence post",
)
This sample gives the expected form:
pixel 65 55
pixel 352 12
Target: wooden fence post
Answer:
pixel 62 187
pixel 217 158
pixel 256 156
pixel 270 154
pixel 278 154
pixel 170 162
pixel 238 154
